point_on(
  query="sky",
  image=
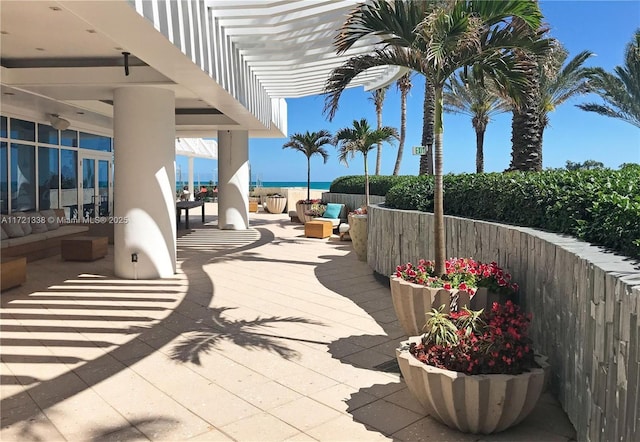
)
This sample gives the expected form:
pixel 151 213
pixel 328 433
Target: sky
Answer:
pixel 602 27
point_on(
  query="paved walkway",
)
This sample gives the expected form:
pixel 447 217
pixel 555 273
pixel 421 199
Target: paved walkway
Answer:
pixel 262 335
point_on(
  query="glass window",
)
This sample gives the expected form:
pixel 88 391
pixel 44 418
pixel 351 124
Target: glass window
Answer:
pixel 4 182
pixel 23 130
pixel 69 138
pixel 69 182
pixel 48 178
pixel 23 177
pixel 3 127
pixel 95 142
pixel 47 134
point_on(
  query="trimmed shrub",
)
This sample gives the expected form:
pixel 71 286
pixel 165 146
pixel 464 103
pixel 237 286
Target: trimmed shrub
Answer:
pixel 598 206
pixel 354 184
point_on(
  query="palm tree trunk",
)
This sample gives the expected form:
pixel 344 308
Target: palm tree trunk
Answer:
pixel 403 129
pixel 308 178
pixel 480 150
pixel 525 126
pixel 438 210
pixel 366 181
pixel 426 161
pixel 379 153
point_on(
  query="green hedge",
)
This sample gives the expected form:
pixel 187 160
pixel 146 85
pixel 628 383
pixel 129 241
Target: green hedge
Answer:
pixel 354 184
pixel 598 206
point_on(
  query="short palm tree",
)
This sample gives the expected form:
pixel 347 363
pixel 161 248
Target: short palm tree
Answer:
pixel 310 144
pixel 361 138
pixel 404 84
pixel 378 97
pixel 620 90
pixel 466 94
pixel 455 34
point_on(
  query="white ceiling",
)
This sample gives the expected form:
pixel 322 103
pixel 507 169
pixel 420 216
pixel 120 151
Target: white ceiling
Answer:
pixel 65 57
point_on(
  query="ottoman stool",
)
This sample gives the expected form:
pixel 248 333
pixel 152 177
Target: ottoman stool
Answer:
pixel 84 248
pixel 318 229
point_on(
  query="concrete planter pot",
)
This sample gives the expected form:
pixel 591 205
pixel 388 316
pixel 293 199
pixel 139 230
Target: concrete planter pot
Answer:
pixel 276 204
pixel 412 303
pixel 300 209
pixel 359 231
pixel 486 403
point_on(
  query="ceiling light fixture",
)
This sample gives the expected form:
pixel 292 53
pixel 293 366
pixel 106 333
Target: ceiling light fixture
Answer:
pixel 58 123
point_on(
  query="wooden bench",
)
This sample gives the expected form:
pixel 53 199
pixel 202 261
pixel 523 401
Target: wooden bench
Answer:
pixel 84 248
pixel 13 272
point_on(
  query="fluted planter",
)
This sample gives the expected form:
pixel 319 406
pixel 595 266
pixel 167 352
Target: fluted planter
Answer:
pixel 484 403
pixel 358 231
pixel 300 209
pixel 412 302
pixel 276 204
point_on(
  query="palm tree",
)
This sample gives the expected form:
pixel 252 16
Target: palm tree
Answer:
pixel 558 84
pixel 377 97
pixel 456 34
pixel 404 84
pixel 555 85
pixel 620 90
pixel 466 94
pixel 428 121
pixel 393 23
pixel 361 138
pixel 310 144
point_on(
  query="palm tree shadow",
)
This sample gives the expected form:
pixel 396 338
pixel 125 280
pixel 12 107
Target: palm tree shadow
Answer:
pixel 208 333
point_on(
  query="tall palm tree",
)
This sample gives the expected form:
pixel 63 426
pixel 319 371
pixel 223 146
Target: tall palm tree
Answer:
pixel 310 144
pixel 456 34
pixel 361 138
pixel 620 90
pixel 466 94
pixel 378 97
pixel 404 84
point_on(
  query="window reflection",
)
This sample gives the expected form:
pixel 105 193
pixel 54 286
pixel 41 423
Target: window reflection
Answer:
pixel 23 130
pixel 69 182
pixel 48 178
pixel 23 177
pixel 4 183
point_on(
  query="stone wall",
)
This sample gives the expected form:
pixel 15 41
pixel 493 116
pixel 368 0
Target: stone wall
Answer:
pixel 585 303
pixel 351 201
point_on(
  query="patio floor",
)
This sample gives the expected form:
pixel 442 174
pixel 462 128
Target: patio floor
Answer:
pixel 262 335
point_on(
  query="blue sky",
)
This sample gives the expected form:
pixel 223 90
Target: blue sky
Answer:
pixel 603 27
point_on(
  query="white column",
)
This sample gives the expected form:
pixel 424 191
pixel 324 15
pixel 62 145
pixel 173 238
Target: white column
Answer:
pixel 192 192
pixel 144 182
pixel 233 180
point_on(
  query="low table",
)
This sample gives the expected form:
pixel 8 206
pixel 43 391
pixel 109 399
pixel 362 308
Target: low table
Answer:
pixel 84 248
pixel 318 229
pixel 186 205
pixel 13 272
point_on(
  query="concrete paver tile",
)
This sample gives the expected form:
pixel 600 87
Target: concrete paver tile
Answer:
pixel 212 435
pixel 260 427
pixel 343 398
pixel 266 395
pixel 33 425
pixel 304 413
pixel 343 428
pixel 385 416
pixel 428 429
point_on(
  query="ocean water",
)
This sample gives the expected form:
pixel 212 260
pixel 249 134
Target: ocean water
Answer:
pixel 315 185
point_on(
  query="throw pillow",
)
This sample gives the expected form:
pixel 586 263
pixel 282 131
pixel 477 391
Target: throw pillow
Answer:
pixel 333 210
pixel 24 221
pixel 4 234
pixel 51 218
pixel 11 226
pixel 41 225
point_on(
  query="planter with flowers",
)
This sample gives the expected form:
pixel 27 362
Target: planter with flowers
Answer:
pixel 416 290
pixel 474 370
pixel 309 209
pixel 276 203
pixel 359 231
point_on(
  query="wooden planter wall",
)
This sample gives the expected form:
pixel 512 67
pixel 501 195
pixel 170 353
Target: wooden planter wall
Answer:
pixel 585 305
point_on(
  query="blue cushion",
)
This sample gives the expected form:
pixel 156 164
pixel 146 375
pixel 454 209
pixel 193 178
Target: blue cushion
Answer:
pixel 333 210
